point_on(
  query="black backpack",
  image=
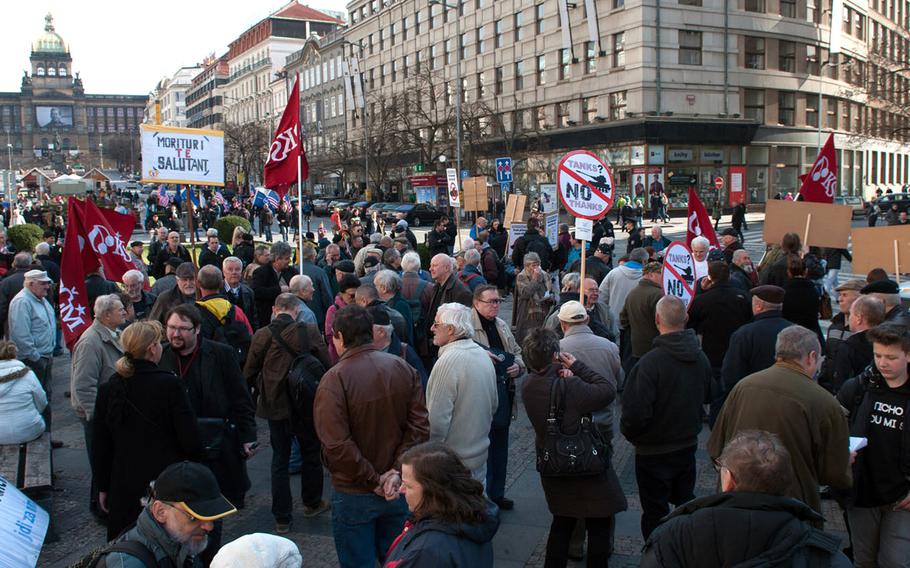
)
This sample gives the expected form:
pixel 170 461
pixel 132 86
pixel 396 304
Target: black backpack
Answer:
pixel 303 376
pixel 502 279
pixel 131 547
pixel 539 245
pixel 229 330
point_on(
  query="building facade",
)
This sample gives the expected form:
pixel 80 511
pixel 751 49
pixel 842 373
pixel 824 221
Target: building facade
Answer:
pixel 51 122
pixel 685 91
pixel 205 97
pixel 167 102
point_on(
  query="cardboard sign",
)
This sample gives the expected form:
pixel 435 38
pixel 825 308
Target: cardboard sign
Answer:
pixel 474 194
pixel 516 231
pixel 182 155
pixel 23 526
pixel 585 185
pixel 873 247
pixel 679 272
pixel 553 230
pixel 549 202
pixel 828 227
pixel 584 229
pixel 452 191
pixel 515 209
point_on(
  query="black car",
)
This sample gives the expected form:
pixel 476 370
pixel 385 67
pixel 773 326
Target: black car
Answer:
pixel 416 214
pixel 888 199
pixel 375 208
pixel 321 205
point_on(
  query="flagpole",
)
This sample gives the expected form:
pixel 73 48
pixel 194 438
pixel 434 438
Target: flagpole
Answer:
pixel 300 211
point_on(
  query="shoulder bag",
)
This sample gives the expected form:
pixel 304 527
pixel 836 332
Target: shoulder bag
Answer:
pixel 569 455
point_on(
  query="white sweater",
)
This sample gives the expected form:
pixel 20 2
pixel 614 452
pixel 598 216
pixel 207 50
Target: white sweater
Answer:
pixel 22 400
pixel 461 400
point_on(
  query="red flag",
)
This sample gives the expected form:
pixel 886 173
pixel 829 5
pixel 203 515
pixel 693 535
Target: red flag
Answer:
pixel 286 148
pixel 699 223
pixel 74 312
pixel 820 184
pixel 107 240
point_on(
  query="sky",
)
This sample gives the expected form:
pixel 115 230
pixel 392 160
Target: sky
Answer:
pixel 125 47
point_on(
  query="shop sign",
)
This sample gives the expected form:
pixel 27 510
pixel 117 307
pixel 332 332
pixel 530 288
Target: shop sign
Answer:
pixel 712 155
pixel 655 155
pixel 680 156
pixel 638 155
pixel 618 156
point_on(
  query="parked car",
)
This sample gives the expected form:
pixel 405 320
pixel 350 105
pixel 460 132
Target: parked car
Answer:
pixel 340 204
pixel 855 203
pixel 362 205
pixel 416 214
pixel 321 205
pixel 376 207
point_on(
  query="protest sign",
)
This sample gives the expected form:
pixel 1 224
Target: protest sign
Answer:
pixel 516 231
pixel 23 526
pixel 817 224
pixel 679 272
pixel 585 185
pixel 515 209
pixel 882 247
pixel 182 155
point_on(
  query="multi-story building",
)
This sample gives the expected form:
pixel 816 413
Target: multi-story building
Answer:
pixel 52 122
pixel 168 101
pixel 205 97
pixel 260 53
pixel 685 90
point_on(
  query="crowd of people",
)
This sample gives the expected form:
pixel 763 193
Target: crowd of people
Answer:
pixel 394 371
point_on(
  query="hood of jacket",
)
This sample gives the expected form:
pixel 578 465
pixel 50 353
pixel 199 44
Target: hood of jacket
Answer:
pixel 681 345
pixel 628 272
pixel 479 532
pixel 217 304
pixel 11 369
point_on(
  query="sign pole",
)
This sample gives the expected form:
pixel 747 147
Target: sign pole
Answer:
pixel 897 266
pixel 806 237
pixel 457 245
pixel 189 224
pixel 581 284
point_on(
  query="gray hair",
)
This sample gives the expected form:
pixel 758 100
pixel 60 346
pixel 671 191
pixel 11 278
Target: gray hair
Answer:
pixel 366 292
pixel 233 260
pixel 309 253
pixel 388 329
pixel 571 281
pixel 22 260
pixel 280 249
pixel 388 281
pixel 133 275
pixel 531 257
pixel 459 317
pixel 672 312
pixel 472 256
pixel 466 244
pixel 638 255
pixel 410 262
pixel 210 277
pixel 300 282
pixel 42 248
pixel 106 303
pixel 287 303
pixel 795 342
pixel 375 238
pixel 213 232
pixel 700 241
pixel 738 254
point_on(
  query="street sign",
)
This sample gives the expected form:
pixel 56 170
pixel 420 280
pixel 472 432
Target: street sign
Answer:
pixel 506 187
pixel 452 187
pixel 719 182
pixel 504 170
pixel 585 185
pixel 679 272
pixel 465 174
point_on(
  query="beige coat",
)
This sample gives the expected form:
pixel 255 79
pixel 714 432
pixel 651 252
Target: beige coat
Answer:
pixel 94 357
pixel 508 340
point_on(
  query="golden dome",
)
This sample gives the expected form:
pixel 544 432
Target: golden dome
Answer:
pixel 50 41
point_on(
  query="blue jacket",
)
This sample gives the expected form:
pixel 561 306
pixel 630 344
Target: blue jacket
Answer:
pixel 429 542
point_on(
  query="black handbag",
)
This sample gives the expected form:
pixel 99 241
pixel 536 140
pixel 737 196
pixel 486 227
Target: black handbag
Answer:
pixel 582 454
pixel 212 433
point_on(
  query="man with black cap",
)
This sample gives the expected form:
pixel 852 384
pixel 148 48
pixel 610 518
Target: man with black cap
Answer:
pixel 173 529
pixel 169 280
pixel 183 293
pixel 889 292
pixel 729 238
pixel 599 264
pixel 136 248
pixel 385 339
pixel 751 347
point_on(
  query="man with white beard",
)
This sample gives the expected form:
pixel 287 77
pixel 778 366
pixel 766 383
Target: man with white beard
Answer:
pixel 700 246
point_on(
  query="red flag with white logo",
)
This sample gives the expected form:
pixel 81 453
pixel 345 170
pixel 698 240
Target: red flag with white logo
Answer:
pixel 106 234
pixel 286 149
pixel 699 223
pixel 74 312
pixel 820 184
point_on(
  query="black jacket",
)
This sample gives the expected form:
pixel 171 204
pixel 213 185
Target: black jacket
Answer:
pixel 594 268
pixel 244 252
pixel 164 254
pixel 751 348
pixel 662 403
pixel 898 314
pixel 801 305
pixel 245 299
pixel 521 247
pixel 853 355
pixel 209 258
pixel 715 314
pixel 438 242
pixel 167 301
pixel 11 285
pixel 740 280
pixel 728 251
pixel 439 544
pixel 741 529
pixel 142 425
pixel 833 258
pixel 96 285
pixel 499 240
pixel 266 285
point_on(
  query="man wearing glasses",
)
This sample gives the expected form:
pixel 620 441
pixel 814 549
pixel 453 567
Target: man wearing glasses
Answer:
pixel 494 334
pixel 183 293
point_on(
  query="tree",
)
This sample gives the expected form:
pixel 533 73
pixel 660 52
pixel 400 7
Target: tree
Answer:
pixel 245 149
pixel 386 142
pixel 119 150
pixel 428 120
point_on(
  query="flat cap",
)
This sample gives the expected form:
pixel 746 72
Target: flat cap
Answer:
pixel 856 285
pixel 769 293
pixel 728 232
pixel 346 266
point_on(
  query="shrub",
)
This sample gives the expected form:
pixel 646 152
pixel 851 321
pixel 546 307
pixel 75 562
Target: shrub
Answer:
pixel 424 251
pixel 226 224
pixel 25 237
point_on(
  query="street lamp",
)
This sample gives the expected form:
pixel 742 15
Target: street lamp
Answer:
pixel 458 93
pixel 101 151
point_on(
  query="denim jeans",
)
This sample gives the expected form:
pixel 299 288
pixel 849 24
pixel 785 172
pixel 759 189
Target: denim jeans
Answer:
pixel 663 479
pixel 280 435
pixel 364 526
pixel 881 536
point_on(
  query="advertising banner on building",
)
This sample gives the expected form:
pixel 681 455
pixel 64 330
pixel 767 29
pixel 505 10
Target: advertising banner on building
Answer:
pixel 182 155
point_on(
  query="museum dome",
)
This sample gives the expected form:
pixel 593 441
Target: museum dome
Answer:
pixel 50 41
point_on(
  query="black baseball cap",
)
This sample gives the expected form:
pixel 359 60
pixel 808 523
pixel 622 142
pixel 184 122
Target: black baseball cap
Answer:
pixel 886 286
pixel 345 266
pixel 174 261
pixel 194 487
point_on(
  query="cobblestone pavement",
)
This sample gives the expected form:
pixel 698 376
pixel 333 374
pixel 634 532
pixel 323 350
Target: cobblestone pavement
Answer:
pixel 520 541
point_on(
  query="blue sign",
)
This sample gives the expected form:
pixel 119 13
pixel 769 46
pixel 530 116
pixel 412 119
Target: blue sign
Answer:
pixel 506 187
pixel 504 170
pixel 465 174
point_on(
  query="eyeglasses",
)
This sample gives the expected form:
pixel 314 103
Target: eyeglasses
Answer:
pixel 180 328
pixel 190 518
pixel 495 301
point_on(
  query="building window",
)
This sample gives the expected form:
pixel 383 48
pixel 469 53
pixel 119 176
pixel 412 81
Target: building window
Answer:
pixel 786 108
pixel 754 105
pixel 617 105
pixel 786 60
pixel 497 33
pixel 497 83
pixel 541 69
pixel 519 75
pixel 540 118
pixel 590 58
pixel 812 60
pixel 463 46
pixel 565 67
pixel 619 49
pixel 449 50
pixel 689 47
pixel 618 4
pixel 519 22
pixel 831 112
pixel 811 110
pixel 481 33
pixel 538 18
pixel 432 57
pixel 788 8
pixel 690 2
pixel 755 53
pixel 392 33
pixel 755 6
pixel 812 11
pixel 588 109
pixel 562 115
pixel 416 23
pixel 481 87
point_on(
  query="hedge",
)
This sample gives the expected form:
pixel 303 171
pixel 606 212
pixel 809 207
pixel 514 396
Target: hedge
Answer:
pixel 25 237
pixel 225 226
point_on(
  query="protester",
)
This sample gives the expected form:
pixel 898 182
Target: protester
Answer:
pixel 271 279
pixel 774 268
pixel 801 298
pixel 452 525
pixel 855 353
pixel 751 522
pixel 388 287
pixel 699 247
pixel 22 399
pixel 385 339
pixel 595 498
pixel 364 427
pixel 533 242
pixel 656 240
pixel 237 292
pixel 169 280
pixel 322 290
pixel 731 241
pixel 302 287
pixel 214 252
pixel 639 308
pixel 888 292
pixel 599 264
pixel 142 423
pixel 141 301
pixel 533 296
pixel 183 293
pixel 33 328
pixel 879 505
pixel 742 272
pixel 619 282
pixel 447 289
pixel 172 248
pixel 346 296
pixel 783 395
pixel 12 283
pixel 662 413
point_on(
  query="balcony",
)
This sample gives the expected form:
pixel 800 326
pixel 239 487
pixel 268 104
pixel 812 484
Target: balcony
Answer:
pixel 248 68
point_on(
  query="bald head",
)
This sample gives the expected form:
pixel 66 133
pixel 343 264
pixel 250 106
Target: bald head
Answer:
pixel 671 315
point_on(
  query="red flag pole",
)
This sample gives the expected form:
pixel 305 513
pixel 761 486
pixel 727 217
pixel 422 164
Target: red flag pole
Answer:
pixel 299 188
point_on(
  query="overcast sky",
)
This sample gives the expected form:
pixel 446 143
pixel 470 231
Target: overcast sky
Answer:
pixel 125 47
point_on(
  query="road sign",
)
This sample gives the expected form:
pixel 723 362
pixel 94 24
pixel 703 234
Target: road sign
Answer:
pixel 585 185
pixel 679 272
pixel 504 170
pixel 719 182
pixel 506 187
pixel 452 187
pixel 465 174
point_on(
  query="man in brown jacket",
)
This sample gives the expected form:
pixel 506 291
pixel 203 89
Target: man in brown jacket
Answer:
pixel 267 367
pixel 369 409
pixel 784 400
pixel 448 289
